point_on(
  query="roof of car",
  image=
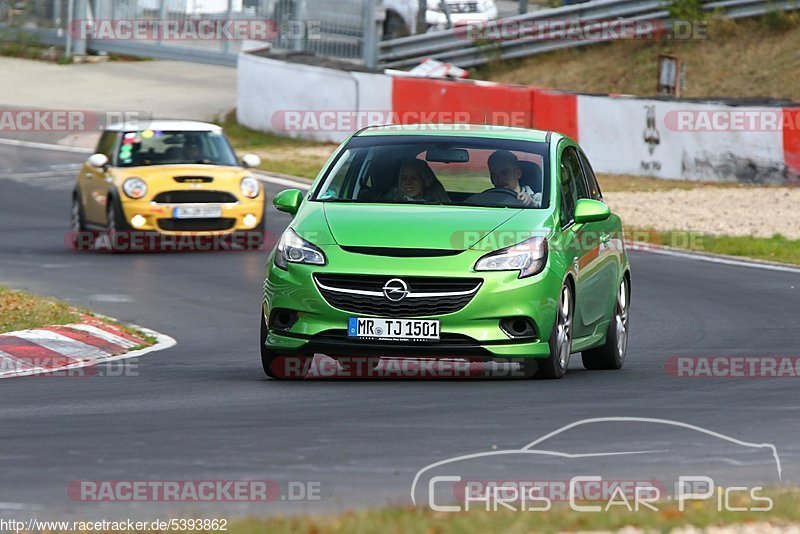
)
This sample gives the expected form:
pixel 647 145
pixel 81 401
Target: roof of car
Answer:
pixel 464 130
pixel 163 125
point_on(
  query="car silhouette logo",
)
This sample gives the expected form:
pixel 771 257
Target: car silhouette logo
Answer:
pixel 395 290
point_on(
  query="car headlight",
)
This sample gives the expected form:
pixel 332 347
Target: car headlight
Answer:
pixel 294 249
pixel 250 187
pixel 134 187
pixel 528 257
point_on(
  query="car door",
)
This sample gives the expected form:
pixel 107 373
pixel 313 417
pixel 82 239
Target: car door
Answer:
pixel 603 261
pixel 585 246
pixel 93 182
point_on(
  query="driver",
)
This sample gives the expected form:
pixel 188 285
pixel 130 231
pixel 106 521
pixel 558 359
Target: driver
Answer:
pixel 505 172
pixel 192 151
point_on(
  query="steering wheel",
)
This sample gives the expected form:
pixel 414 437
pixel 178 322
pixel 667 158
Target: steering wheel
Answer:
pixel 502 190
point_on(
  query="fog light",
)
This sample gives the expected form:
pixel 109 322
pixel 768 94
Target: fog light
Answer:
pixel 137 221
pixel 250 220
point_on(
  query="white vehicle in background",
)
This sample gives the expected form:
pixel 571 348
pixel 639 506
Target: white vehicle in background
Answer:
pixel 401 15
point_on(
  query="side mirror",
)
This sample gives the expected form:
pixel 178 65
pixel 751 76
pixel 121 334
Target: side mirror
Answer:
pixel 251 161
pixel 288 200
pixel 98 161
pixel 587 210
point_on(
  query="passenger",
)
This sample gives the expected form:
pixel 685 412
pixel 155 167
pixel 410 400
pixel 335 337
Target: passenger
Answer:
pixel 417 183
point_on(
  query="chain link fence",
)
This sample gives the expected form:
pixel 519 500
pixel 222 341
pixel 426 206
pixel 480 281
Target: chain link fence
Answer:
pixel 211 31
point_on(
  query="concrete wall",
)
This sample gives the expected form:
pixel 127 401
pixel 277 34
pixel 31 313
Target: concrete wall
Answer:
pixel 621 135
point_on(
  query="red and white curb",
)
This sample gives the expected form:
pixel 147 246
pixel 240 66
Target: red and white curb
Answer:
pixel 72 346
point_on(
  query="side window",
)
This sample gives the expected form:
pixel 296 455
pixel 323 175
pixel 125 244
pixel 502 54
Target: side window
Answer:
pixel 573 184
pixel 106 145
pixel 591 179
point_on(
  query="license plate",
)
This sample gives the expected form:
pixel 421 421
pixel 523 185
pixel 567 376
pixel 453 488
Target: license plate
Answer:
pixel 371 328
pixel 197 212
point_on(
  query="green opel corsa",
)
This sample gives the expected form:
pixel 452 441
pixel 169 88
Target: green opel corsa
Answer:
pixel 449 242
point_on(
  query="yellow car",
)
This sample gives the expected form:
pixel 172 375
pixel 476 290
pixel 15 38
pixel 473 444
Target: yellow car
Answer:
pixel 173 178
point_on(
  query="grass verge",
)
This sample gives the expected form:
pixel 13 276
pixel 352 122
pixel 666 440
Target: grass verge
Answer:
pixel 776 248
pixel 279 154
pixel 559 518
pixel 20 311
pixel 614 183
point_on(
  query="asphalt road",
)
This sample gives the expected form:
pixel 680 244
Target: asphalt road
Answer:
pixel 204 411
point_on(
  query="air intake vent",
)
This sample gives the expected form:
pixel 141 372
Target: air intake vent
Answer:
pixel 193 179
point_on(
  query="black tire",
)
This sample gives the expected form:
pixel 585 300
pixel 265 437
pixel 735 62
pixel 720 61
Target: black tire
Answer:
pixel 115 218
pixel 611 355
pixel 271 360
pixel 78 230
pixel 555 366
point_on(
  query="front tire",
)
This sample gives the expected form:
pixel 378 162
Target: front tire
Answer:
pixel 611 355
pixel 555 366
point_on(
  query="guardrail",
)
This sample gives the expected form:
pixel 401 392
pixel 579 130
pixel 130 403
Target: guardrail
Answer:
pixel 455 46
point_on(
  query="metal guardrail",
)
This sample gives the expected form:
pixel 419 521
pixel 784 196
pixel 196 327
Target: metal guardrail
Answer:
pixel 455 46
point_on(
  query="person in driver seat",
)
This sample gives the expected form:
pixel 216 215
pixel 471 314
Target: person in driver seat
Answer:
pixel 417 183
pixel 505 173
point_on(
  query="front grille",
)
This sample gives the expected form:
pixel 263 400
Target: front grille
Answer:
pixel 193 179
pixel 428 296
pixel 194 197
pixel 336 343
pixel 195 225
pixel 402 252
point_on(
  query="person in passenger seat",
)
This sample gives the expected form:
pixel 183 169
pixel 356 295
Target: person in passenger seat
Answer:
pixel 417 183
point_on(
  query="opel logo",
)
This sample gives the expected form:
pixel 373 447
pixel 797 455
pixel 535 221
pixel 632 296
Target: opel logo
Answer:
pixel 395 290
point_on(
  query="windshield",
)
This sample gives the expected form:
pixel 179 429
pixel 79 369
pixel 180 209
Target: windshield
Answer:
pixel 439 170
pixel 157 147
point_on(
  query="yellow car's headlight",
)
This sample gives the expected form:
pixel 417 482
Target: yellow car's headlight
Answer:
pixel 250 187
pixel 134 187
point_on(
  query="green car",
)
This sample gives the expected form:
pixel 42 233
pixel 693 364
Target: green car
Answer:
pixel 448 242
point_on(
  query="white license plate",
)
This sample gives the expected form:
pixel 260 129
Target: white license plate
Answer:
pixel 371 328
pixel 197 212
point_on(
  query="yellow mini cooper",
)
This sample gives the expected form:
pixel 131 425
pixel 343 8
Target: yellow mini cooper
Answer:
pixel 173 178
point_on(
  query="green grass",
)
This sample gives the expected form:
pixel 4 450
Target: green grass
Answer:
pixel 279 154
pixel 20 311
pixel 786 510
pixel 613 183
pixel 776 248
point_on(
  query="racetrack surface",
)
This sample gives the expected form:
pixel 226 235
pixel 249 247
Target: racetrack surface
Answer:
pixel 203 410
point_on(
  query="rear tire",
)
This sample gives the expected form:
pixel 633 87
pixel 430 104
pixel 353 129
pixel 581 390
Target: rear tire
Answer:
pixel 271 361
pixel 611 355
pixel 555 366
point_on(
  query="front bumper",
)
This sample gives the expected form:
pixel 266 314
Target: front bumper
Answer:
pixel 158 217
pixel 471 331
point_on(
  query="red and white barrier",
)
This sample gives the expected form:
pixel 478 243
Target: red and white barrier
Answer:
pixel 621 134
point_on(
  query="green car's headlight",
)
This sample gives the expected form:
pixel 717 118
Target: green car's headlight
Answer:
pixel 528 257
pixel 294 249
